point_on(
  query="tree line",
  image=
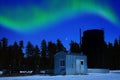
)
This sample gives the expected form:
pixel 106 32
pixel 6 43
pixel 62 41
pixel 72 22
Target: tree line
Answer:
pixel 112 55
pixel 34 57
pixel 41 57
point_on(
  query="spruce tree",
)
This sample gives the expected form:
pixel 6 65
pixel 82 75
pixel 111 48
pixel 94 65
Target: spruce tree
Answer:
pixel 60 46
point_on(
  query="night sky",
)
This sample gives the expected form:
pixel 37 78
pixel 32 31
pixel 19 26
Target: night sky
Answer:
pixel 35 20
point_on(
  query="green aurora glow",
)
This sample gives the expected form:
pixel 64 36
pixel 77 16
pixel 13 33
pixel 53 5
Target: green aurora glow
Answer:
pixel 33 16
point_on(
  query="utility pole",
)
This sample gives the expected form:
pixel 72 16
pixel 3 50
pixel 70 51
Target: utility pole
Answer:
pixel 80 37
pixel 119 41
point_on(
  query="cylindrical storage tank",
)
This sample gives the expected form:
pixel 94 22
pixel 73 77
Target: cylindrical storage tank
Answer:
pixel 93 44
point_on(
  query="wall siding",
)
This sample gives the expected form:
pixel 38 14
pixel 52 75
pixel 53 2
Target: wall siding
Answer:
pixel 58 68
pixel 71 64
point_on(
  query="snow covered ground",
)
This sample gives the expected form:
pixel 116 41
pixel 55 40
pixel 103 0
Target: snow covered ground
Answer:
pixel 90 76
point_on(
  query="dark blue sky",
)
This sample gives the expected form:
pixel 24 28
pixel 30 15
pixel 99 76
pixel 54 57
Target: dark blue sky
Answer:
pixel 68 29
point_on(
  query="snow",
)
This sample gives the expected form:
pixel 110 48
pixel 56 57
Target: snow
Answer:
pixel 115 71
pixel 97 70
pixel 90 76
pixel 29 72
pixel 1 72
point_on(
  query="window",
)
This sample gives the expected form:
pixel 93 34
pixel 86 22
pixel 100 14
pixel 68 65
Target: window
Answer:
pixel 62 62
pixel 81 62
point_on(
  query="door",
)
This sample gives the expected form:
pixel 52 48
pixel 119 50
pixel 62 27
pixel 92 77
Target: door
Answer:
pixel 79 66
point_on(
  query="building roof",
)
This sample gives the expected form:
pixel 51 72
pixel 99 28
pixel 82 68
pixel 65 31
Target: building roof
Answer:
pixel 70 53
pixel 77 54
pixel 59 53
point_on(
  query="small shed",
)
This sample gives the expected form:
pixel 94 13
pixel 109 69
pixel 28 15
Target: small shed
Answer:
pixel 70 64
pixel 59 63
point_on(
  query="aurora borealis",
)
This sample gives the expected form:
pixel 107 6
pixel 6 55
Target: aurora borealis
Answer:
pixel 33 17
pixel 33 14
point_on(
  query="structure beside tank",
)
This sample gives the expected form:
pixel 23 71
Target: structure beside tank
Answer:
pixel 70 64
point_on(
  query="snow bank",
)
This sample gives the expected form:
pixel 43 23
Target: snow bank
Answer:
pixel 115 71
pixel 98 70
pixel 28 72
pixel 1 72
pixel 90 76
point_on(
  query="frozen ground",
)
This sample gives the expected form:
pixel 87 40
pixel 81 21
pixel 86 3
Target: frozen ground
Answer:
pixel 90 76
